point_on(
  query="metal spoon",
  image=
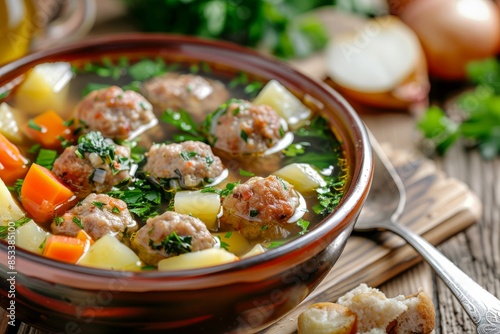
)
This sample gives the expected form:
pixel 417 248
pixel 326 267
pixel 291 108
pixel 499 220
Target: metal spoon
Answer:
pixel 381 213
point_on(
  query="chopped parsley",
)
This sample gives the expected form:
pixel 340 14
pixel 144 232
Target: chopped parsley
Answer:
pixel 245 173
pixel 78 222
pixel 183 121
pixel 223 244
pixel 58 220
pixel 99 205
pixel 46 158
pixel 330 195
pixel 244 135
pixel 17 186
pixel 173 244
pixel 115 210
pixel 186 156
pixel 228 190
pixel 142 199
pixel 304 224
pixel 94 142
pixel 34 126
pixel 4 230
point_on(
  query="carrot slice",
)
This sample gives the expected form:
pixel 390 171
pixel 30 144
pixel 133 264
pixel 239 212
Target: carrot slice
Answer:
pixel 84 236
pixel 43 195
pixel 48 129
pixel 63 248
pixel 13 165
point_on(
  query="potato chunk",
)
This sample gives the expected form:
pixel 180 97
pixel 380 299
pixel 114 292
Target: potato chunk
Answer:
pixel 45 87
pixel 287 105
pixel 31 237
pixel 204 206
pixel 233 241
pixel 109 253
pixel 204 258
pixel 304 177
pixel 9 209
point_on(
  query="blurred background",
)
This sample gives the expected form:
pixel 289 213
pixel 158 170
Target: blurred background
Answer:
pixel 390 55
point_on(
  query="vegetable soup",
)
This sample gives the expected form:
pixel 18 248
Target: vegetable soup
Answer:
pixel 142 164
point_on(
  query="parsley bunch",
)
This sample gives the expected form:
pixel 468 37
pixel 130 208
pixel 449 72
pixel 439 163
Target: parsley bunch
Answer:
pixel 478 120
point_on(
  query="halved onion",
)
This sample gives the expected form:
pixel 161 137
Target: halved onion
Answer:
pixel 381 65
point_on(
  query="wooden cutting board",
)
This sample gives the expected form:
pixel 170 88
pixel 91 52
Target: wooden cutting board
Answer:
pixel 437 208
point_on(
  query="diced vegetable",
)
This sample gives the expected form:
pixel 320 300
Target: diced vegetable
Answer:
pixel 287 105
pixel 9 210
pixel 84 236
pixel 12 163
pixel 31 237
pixel 233 242
pixel 8 123
pixel 204 206
pixel 64 248
pixel 43 195
pixel 45 87
pixel 304 177
pixel 109 253
pixel 48 129
pixel 204 258
pixel 256 250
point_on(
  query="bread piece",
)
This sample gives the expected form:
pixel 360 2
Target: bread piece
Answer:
pixel 327 318
pixel 420 316
pixel 373 309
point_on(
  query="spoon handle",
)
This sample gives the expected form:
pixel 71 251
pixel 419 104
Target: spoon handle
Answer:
pixel 483 307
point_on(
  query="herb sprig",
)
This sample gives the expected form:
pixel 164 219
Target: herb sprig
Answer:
pixel 478 120
pixel 173 244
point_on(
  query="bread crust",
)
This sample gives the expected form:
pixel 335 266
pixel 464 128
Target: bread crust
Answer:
pixel 366 310
pixel 419 318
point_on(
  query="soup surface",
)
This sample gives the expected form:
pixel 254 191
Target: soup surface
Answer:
pixel 140 164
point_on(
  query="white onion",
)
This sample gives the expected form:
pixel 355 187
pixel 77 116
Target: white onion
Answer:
pixel 99 175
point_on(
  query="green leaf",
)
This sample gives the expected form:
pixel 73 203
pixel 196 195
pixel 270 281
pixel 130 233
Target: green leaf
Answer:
pixel 439 129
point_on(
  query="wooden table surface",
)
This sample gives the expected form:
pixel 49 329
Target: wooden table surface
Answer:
pixel 475 250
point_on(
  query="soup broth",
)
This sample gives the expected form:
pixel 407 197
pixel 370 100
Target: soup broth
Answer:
pixel 259 200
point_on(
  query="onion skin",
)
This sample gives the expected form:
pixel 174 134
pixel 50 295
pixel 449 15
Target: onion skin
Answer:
pixel 453 33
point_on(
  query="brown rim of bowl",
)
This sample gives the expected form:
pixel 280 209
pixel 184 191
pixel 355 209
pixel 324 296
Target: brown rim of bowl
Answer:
pixel 247 60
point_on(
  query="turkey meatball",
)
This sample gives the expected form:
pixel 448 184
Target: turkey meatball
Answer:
pixel 191 163
pixel 87 172
pixel 240 127
pixel 117 114
pixel 189 92
pixel 262 208
pixel 98 215
pixel 156 240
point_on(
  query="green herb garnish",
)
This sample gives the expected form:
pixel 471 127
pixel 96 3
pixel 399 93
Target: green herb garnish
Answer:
pixel 34 126
pixel 245 173
pixel 142 199
pixel 303 224
pixel 46 158
pixel 78 222
pixel 186 156
pixel 222 192
pixel 4 230
pixel 173 244
pixel 58 220
pixel 99 205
